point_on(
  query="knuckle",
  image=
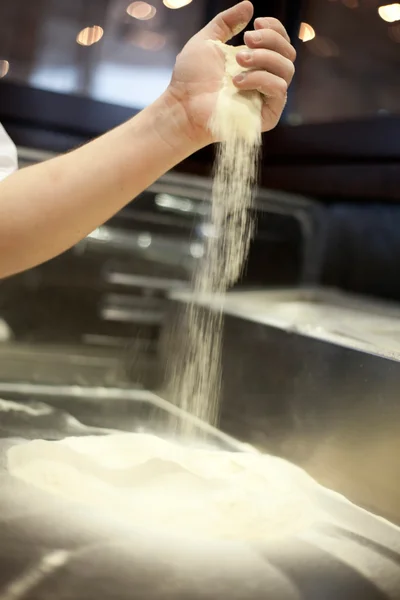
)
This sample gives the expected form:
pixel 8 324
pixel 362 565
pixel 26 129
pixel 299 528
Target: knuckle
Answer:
pixel 291 69
pixel 270 38
pixel 220 28
pixel 281 87
pixel 271 22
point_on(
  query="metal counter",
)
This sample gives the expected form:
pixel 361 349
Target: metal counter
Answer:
pixel 314 377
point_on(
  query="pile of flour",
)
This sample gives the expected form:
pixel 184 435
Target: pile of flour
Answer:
pixel 155 484
pixel 195 368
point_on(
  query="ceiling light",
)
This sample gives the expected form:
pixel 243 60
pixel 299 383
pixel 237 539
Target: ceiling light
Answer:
pixel 176 3
pixel 149 40
pixel 141 10
pixel 306 32
pixel 90 35
pixel 390 12
pixel 4 68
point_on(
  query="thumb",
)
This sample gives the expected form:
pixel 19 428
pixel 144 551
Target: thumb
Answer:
pixel 228 23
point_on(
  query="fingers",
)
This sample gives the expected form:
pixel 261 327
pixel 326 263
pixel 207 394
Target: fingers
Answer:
pixel 271 23
pixel 267 60
pixel 228 23
pixel 272 40
pixel 268 84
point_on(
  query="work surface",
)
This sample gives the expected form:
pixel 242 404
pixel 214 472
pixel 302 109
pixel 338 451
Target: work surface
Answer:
pixel 52 548
pixel 327 315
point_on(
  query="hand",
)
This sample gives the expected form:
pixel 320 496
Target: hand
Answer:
pixel 200 69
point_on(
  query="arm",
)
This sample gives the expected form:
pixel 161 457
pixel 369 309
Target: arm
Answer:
pixel 47 208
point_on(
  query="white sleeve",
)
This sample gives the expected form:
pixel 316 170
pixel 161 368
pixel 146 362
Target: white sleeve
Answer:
pixel 8 154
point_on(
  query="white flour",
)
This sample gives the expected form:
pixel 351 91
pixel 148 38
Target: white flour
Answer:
pixel 151 483
pixel 195 365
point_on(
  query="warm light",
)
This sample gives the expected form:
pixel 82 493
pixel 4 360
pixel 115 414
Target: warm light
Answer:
pixel 176 3
pixel 141 10
pixel 4 68
pixel 149 40
pixel 306 32
pixel 90 35
pixel 390 12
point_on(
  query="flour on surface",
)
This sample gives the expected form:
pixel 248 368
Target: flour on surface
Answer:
pixel 195 367
pixel 154 484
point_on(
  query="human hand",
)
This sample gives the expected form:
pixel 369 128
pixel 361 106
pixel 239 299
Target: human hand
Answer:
pixel 200 69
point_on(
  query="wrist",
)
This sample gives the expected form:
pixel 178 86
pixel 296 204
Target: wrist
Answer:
pixel 172 124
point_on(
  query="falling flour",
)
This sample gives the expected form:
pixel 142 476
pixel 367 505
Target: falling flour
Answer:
pixel 196 362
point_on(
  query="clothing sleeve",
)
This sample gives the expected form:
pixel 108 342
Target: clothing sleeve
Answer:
pixel 8 155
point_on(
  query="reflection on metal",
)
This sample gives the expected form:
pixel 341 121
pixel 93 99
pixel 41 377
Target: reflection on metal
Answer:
pixel 4 68
pixel 93 339
pixel 176 3
pixel 30 579
pixel 101 394
pixel 100 234
pixel 156 248
pixel 32 156
pixel 197 250
pixel 90 35
pixel 144 240
pixel 132 309
pixel 179 204
pixel 149 40
pixel 147 301
pixel 390 12
pixel 306 32
pixel 208 230
pixel 127 315
pixel 141 10
pixel 155 283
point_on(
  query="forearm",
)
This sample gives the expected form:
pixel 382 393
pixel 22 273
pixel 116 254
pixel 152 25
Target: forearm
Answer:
pixel 47 208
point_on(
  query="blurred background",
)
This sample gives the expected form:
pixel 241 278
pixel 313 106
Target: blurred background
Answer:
pixel 327 209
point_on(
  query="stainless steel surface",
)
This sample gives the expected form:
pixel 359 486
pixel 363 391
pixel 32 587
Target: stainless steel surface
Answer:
pixel 100 410
pixel 90 364
pixel 138 281
pixel 328 315
pixel 298 388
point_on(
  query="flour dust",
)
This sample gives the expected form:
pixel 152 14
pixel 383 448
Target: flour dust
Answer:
pixel 195 368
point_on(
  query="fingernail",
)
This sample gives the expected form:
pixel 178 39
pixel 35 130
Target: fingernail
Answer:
pixel 245 55
pixel 240 78
pixel 256 37
pixel 262 22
